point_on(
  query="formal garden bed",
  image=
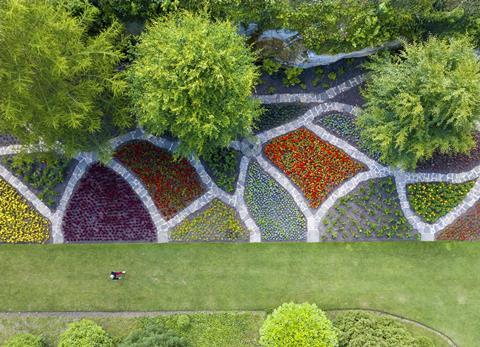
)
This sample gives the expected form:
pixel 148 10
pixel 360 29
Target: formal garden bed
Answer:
pixel 315 166
pixel 433 200
pixel 343 125
pixel 215 222
pixel 443 163
pixel 7 140
pixel 46 174
pixel 272 207
pixel 370 213
pixel 105 208
pixel 223 167
pixel 19 221
pixel 277 80
pixel 173 184
pixel 275 115
pixel 464 228
pixel 353 96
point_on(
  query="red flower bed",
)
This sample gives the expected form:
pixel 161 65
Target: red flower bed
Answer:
pixel 316 166
pixel 172 184
pixel 465 228
pixel 105 208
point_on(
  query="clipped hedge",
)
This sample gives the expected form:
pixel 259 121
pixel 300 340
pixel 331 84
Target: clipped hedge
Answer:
pixel 85 333
pixel 298 325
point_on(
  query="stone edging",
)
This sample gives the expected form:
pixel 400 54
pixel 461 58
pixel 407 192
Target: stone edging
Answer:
pixel 313 97
pixel 236 201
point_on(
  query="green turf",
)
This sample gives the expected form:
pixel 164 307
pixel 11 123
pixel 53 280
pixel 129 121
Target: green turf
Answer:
pixel 437 283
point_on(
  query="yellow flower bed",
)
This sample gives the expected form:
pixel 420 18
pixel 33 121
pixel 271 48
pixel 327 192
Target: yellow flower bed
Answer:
pixel 19 222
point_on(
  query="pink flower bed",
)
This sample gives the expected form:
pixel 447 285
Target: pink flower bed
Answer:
pixel 105 208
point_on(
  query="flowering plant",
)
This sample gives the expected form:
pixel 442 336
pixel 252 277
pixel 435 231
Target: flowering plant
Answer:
pixel 315 166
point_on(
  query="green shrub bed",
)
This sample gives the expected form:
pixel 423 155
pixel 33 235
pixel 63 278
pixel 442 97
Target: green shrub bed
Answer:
pixel 222 165
pixel 272 207
pixel 433 200
pixel 217 222
pixel 45 173
pixel 359 328
pixel 343 125
pixel 278 114
pixel 371 212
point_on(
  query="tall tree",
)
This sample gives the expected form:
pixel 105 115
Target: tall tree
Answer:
pixel 194 78
pixel 426 100
pixel 58 85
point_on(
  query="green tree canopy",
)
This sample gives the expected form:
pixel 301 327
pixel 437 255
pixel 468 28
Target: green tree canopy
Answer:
pixel 298 325
pixel 58 85
pixel 425 101
pixel 194 78
pixel 85 333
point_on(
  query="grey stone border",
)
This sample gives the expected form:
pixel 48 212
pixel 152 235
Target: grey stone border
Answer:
pixel 236 200
pixel 313 97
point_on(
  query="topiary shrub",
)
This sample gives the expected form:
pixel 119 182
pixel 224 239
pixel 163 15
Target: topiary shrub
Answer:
pixel 85 333
pixel 194 78
pixel 424 101
pixel 298 325
pixel 25 340
pixel 154 334
pixel 358 329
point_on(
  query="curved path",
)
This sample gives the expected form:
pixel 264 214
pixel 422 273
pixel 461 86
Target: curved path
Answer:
pixel 254 152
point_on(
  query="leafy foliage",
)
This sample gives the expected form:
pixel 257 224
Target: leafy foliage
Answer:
pixel 292 76
pixel 194 78
pixel 423 102
pixel 222 164
pixel 366 329
pixel 218 222
pixel 57 84
pixel 278 114
pixel 432 200
pixel 153 334
pixel 85 333
pixel 42 171
pixel 298 325
pixel 25 340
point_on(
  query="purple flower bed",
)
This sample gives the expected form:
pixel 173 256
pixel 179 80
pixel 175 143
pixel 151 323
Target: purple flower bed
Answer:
pixel 105 208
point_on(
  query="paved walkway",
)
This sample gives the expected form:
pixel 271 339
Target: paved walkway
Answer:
pixel 253 151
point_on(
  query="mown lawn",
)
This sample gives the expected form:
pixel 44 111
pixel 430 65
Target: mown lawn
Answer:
pixel 434 283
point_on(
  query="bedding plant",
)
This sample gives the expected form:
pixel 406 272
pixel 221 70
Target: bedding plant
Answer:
pixel 272 207
pixel 19 222
pixel 217 222
pixel 104 207
pixel 173 184
pixel 275 115
pixel 433 200
pixel 370 213
pixel 315 166
pixel 465 228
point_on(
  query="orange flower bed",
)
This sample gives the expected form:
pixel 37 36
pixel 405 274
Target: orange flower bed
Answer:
pixel 315 166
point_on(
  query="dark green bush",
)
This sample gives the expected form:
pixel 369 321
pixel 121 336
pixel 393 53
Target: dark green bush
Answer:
pixel 25 340
pixel 153 334
pixel 222 164
pixel 85 333
pixel 423 102
pixel 359 329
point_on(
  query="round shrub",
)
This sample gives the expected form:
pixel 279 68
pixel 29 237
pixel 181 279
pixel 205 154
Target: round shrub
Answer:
pixel 423 102
pixel 85 333
pixel 194 78
pixel 153 334
pixel 358 329
pixel 25 340
pixel 298 325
